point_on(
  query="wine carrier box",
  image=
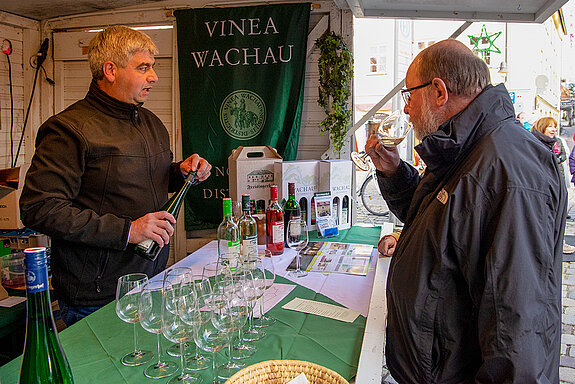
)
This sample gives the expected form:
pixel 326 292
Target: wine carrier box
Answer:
pixel 251 170
pixel 305 175
pixel 335 176
pixel 11 184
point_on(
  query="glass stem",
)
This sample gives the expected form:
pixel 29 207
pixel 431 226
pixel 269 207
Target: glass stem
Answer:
pixel 230 339
pixel 159 351
pixel 135 341
pixel 182 358
pixel 214 366
pixel 297 262
pixel 262 307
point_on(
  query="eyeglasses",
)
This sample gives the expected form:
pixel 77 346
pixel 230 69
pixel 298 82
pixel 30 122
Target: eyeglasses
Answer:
pixel 406 93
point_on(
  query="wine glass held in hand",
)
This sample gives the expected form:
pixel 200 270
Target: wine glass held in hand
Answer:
pixel 127 308
pixel 297 239
pixel 393 129
pixel 151 321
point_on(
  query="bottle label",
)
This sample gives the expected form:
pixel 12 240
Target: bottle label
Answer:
pixel 249 247
pixel 146 244
pixel 36 270
pixel 278 232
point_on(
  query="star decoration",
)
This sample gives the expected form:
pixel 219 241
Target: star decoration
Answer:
pixel 483 44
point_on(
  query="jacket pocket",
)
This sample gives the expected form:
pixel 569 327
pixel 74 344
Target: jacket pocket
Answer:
pixel 101 268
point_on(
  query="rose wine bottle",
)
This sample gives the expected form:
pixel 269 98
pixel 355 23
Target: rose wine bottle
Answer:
pixel 43 360
pixel 291 209
pixel 274 224
pixel 149 249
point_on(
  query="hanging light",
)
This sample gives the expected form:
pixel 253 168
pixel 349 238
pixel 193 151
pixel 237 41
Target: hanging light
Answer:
pixel 503 68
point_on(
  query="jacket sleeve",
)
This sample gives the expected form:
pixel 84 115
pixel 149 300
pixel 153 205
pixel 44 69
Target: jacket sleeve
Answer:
pixel 513 271
pixel 48 201
pixel 572 161
pixel 398 189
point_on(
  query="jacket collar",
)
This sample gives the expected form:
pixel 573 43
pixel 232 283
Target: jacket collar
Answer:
pixel 548 141
pixel 459 133
pixel 109 105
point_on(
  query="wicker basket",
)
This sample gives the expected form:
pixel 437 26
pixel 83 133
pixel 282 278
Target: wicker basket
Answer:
pixel 282 371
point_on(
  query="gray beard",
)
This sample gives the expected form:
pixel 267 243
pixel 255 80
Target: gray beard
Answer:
pixel 429 122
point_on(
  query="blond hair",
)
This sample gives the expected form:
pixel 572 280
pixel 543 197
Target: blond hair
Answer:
pixel 542 124
pixel 117 44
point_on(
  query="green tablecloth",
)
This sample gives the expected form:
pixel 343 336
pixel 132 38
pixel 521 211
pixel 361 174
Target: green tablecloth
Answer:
pixel 95 344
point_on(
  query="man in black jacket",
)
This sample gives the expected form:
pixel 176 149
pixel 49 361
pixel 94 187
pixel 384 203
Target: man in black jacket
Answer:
pixel 474 286
pixel 101 171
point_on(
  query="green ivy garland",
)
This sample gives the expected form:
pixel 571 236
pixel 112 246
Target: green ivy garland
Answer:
pixel 335 73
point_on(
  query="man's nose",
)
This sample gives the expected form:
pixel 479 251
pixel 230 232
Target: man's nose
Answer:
pixel 153 76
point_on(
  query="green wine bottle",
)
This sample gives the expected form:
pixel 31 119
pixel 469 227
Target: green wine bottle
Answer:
pixel 291 210
pixel 228 238
pixel 248 231
pixel 44 360
pixel 149 249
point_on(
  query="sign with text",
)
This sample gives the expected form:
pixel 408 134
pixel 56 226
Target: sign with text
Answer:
pixel 241 73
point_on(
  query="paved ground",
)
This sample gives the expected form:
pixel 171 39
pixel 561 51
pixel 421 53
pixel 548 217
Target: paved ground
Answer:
pixel 567 365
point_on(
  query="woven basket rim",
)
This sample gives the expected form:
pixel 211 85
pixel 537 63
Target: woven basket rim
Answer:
pixel 256 373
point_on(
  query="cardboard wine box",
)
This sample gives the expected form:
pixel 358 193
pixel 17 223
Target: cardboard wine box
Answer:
pixel 251 170
pixel 335 176
pixel 11 184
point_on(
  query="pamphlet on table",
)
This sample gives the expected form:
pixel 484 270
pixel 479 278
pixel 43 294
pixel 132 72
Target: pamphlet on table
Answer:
pixel 331 257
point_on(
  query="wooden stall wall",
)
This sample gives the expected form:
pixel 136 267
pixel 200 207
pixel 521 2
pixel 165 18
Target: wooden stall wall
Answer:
pixel 24 36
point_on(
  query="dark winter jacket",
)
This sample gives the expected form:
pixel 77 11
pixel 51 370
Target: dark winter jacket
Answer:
pixel 98 165
pixel 474 286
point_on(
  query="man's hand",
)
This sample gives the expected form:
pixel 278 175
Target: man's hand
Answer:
pixel 155 226
pixel 386 245
pixel 384 158
pixel 196 163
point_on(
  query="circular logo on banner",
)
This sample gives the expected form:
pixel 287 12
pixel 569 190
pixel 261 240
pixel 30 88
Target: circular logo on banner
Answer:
pixel 243 114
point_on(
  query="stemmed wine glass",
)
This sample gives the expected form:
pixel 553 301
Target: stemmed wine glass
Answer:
pixel 199 286
pixel 173 327
pixel 393 129
pixel 246 291
pixel 252 293
pixel 127 309
pixel 239 310
pixel 215 322
pixel 268 270
pixel 297 239
pixel 151 321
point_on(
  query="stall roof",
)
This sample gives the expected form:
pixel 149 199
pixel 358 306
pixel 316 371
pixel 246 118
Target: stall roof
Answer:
pixel 472 10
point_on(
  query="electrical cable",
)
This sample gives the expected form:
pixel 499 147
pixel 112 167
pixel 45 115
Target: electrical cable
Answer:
pixel 7 49
pixel 41 56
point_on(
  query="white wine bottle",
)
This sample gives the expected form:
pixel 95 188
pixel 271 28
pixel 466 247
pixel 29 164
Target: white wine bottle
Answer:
pixel 149 249
pixel 228 237
pixel 43 360
pixel 248 231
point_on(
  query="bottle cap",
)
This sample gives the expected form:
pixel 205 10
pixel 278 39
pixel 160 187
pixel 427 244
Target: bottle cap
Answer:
pixel 274 192
pixel 246 202
pixel 291 189
pixel 227 206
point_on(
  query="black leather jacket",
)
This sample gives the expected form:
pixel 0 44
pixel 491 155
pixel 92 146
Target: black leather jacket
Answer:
pixel 474 286
pixel 98 165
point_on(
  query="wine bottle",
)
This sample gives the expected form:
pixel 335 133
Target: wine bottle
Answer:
pixel 228 238
pixel 248 231
pixel 303 208
pixel 43 360
pixel 149 249
pixel 291 209
pixel 345 210
pixel 335 213
pixel 274 224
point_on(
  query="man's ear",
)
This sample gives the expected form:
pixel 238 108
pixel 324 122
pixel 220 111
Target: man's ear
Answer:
pixel 441 93
pixel 110 71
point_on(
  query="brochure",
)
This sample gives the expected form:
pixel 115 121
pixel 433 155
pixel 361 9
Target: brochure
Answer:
pixel 330 257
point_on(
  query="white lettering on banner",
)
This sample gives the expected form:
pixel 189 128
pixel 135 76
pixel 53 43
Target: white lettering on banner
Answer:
pixel 215 193
pixel 247 56
pixel 227 27
pixel 221 171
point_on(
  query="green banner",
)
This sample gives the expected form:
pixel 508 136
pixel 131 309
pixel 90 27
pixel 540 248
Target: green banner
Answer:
pixel 242 73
